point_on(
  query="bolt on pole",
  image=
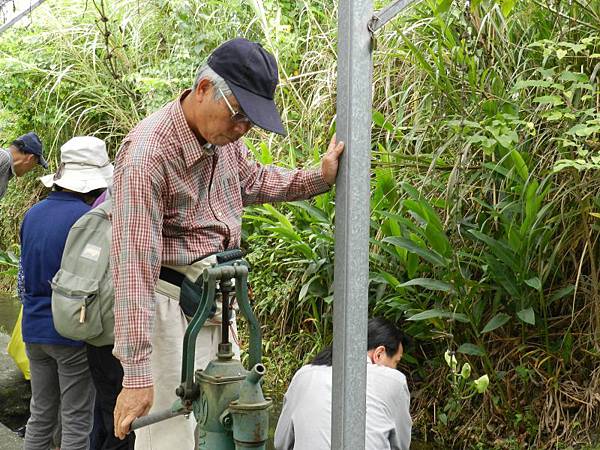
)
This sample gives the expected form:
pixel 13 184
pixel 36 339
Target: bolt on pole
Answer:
pixel 352 214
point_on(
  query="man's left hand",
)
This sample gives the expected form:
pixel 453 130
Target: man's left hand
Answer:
pixel 329 165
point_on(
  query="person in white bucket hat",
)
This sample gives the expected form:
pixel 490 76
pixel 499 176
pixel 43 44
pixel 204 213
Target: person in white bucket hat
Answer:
pixel 84 166
pixel 60 373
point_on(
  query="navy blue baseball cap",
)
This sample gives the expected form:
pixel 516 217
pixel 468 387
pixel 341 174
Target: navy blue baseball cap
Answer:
pixel 30 143
pixel 251 73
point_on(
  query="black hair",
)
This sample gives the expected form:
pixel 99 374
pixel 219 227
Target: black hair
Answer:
pixel 19 144
pixel 88 197
pixel 380 332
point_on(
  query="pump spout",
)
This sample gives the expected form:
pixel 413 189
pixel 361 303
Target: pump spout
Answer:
pixel 250 412
pixel 250 390
pixel 255 375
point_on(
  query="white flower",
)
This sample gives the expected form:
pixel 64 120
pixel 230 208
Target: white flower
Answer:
pixel 481 383
pixel 450 360
pixel 466 371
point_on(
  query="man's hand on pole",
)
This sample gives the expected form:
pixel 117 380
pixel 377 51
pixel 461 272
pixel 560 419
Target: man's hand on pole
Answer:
pixel 131 404
pixel 329 164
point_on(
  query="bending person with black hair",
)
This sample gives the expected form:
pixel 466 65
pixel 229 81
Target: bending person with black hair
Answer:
pixel 305 420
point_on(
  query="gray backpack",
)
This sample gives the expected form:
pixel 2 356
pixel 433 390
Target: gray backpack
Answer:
pixel 83 290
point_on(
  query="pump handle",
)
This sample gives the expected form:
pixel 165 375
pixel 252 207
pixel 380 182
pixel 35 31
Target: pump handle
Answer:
pixel 159 416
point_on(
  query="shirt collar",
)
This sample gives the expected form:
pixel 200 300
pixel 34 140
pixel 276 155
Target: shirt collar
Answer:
pixel 12 162
pixel 192 149
pixel 369 360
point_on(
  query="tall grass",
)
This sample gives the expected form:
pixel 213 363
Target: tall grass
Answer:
pixel 483 217
pixel 484 189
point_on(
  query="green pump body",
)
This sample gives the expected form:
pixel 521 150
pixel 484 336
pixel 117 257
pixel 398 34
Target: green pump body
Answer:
pixel 225 398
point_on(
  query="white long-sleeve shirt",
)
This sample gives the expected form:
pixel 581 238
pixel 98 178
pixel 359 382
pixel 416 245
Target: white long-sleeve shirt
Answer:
pixel 305 420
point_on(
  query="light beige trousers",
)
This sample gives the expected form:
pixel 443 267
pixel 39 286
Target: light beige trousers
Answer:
pixel 167 349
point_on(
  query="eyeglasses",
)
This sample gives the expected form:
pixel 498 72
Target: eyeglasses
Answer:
pixel 236 116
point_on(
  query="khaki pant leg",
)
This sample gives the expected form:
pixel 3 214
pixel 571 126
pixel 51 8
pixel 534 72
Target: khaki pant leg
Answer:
pixel 167 352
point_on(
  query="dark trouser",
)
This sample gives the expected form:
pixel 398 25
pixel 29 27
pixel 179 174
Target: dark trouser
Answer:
pixel 98 434
pixel 107 375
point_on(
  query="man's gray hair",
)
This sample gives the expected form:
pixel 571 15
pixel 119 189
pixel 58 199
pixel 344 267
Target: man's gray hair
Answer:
pixel 205 72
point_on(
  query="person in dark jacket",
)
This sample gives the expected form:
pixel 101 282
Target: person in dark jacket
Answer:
pixel 23 154
pixel 60 377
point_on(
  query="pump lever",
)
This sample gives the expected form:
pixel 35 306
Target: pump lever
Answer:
pixel 177 409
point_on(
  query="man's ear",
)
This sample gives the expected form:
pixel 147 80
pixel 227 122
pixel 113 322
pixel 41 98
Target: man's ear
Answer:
pixel 202 90
pixel 30 160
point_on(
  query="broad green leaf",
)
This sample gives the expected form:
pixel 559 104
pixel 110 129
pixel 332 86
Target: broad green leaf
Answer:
pixel 429 283
pixel 266 157
pixel 284 233
pixel 496 322
pixel 443 6
pixel 283 220
pixel 553 100
pixel 553 115
pixel 317 213
pixel 515 239
pixel 507 7
pixel 438 240
pixel 464 123
pixel 412 265
pixel 305 249
pixel 534 283
pixel 429 255
pixel 561 293
pixel 500 273
pixel 389 278
pixel 423 210
pixel 575 47
pixel 500 250
pixel 471 349
pixel 438 314
pixel 527 315
pixel 584 86
pixel 496 167
pixel 380 120
pixel 532 205
pixel 429 314
pixel 523 84
pixel 583 130
pixel 304 290
pixel 519 164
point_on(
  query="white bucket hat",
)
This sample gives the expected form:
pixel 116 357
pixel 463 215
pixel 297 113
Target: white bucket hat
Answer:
pixel 84 166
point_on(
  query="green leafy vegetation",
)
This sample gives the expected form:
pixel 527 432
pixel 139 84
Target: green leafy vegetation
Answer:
pixel 484 203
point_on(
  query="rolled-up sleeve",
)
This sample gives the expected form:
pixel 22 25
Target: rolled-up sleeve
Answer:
pixel 135 260
pixel 268 184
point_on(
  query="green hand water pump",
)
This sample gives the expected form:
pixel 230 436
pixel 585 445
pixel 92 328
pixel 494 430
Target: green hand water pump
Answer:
pixel 226 399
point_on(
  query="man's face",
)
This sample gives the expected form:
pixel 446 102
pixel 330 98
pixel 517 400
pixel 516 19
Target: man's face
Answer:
pixel 220 122
pixel 380 357
pixel 22 162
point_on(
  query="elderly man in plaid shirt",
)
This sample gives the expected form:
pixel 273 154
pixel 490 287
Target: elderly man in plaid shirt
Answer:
pixel 182 177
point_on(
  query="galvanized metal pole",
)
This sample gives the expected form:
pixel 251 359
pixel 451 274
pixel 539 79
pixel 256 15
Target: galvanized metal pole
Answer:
pixel 352 215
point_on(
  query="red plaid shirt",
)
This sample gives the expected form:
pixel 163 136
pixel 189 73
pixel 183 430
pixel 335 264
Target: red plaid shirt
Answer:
pixel 175 202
